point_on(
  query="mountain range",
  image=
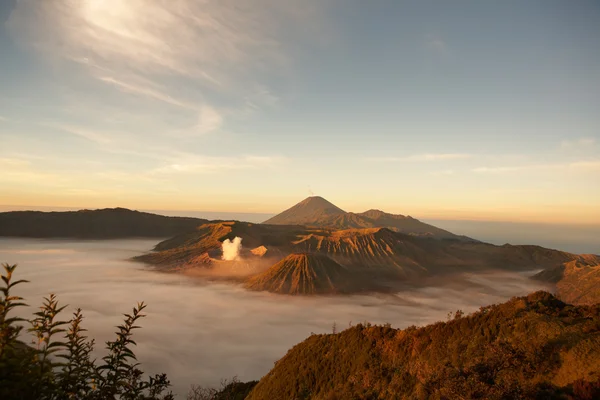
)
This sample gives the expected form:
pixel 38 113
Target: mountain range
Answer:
pixel 315 248
pixel 314 259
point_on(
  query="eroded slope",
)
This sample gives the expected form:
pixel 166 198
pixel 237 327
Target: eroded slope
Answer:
pixel 305 274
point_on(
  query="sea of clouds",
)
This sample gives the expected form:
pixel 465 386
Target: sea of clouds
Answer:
pixel 200 331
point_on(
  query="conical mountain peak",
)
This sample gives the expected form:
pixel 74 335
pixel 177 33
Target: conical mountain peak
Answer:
pixel 309 210
pixel 303 273
pixel 319 202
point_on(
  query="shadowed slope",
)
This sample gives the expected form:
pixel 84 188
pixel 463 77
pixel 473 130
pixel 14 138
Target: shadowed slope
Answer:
pixel 530 347
pixel 577 281
pixel 304 274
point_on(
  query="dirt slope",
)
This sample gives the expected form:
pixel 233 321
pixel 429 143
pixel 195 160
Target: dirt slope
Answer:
pixel 305 274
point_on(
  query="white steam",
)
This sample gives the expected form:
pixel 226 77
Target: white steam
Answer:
pixel 231 249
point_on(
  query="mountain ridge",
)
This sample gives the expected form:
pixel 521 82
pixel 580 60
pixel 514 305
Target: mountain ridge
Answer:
pixel 103 223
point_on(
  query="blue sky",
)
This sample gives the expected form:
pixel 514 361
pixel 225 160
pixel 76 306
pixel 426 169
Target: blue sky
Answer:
pixel 437 109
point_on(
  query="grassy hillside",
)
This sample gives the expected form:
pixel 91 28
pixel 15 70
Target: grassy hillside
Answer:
pixel 530 347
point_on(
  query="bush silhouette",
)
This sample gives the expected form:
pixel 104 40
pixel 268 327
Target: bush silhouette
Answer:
pixel 57 364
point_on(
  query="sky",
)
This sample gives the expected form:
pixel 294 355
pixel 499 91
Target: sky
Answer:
pixel 436 109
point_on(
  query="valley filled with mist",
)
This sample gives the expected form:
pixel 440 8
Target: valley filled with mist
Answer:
pixel 200 331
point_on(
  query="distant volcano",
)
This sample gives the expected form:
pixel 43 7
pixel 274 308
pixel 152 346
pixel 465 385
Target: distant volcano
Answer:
pixel 304 274
pixel 315 211
pixel 308 212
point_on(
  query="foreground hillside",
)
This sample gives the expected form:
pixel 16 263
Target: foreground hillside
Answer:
pixel 533 347
pixel 93 224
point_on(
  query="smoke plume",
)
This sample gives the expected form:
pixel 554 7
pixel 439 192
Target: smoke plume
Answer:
pixel 231 249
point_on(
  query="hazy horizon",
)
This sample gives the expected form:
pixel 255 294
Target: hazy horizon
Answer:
pixel 257 217
pixel 575 238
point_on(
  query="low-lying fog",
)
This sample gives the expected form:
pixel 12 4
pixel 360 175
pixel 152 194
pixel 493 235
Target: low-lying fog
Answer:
pixel 199 332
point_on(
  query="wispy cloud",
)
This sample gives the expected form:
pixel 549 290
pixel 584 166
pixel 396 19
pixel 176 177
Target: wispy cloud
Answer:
pixel 22 171
pixel 219 44
pixel 85 133
pixel 110 141
pixel 261 97
pixel 211 59
pixel 578 166
pixel 445 172
pixel 578 143
pixel 499 170
pixel 586 165
pixel 6 162
pixel 125 177
pixel 153 37
pixel 148 90
pixel 196 164
pixel 209 120
pixel 429 157
pixel 436 43
pixel 439 157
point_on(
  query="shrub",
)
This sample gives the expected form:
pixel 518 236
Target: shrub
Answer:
pixel 57 364
pixel 230 390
